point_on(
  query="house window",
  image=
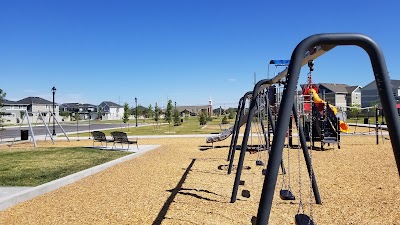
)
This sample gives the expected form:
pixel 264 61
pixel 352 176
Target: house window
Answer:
pixel 356 96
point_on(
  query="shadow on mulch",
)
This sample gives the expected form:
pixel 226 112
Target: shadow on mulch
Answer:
pixel 225 167
pixel 183 191
pixel 161 215
pixel 207 147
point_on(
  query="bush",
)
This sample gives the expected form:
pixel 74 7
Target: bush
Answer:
pixel 203 119
pixel 177 118
pixel 231 115
pixel 225 120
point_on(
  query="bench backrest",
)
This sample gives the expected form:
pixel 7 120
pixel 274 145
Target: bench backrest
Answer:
pixel 98 136
pixel 119 136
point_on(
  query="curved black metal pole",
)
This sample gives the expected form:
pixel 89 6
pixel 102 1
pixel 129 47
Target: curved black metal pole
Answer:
pixel 385 94
pixel 252 108
pixel 235 126
pixel 237 131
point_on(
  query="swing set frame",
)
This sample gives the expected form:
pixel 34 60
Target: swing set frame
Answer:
pixel 326 42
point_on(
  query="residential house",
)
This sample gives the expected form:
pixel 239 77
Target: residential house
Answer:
pixel 110 111
pixel 33 105
pixel 340 95
pixel 370 95
pixel 12 111
pixel 85 111
pixel 194 110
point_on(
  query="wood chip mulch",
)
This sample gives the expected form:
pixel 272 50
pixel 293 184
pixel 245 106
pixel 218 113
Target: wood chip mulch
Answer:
pixel 185 182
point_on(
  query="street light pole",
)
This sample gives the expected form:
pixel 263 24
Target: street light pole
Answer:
pixel 53 90
pixel 77 123
pixel 90 117
pixel 136 111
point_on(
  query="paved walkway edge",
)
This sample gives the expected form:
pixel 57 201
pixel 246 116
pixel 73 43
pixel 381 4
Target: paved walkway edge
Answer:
pixel 53 185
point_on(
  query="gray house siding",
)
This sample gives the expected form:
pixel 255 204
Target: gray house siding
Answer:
pixel 369 93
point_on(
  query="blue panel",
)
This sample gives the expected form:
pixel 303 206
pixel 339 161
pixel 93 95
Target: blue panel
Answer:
pixel 280 62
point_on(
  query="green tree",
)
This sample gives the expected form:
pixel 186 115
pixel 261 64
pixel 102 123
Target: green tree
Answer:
pixel 99 113
pixel 139 110
pixel 77 117
pixel 203 118
pixel 125 117
pixel 355 110
pixel 177 118
pixel 2 96
pixel 149 111
pixel 168 112
pixel 225 120
pixel 156 113
pixel 232 115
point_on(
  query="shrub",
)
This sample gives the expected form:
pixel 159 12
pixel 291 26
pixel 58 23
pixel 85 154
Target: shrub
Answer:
pixel 225 120
pixel 231 115
pixel 203 119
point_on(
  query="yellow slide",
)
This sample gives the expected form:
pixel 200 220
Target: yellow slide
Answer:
pixel 343 126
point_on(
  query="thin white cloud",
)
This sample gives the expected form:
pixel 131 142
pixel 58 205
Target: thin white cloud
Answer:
pixel 232 79
pixel 30 91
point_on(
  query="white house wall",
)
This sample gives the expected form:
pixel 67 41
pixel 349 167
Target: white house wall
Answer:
pixel 340 100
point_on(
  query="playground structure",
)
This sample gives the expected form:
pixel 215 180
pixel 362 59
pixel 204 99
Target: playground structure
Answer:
pixel 312 47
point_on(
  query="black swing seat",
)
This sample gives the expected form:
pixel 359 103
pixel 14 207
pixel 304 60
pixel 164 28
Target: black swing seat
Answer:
pixel 303 219
pixel 286 195
pixel 246 193
pixel 259 163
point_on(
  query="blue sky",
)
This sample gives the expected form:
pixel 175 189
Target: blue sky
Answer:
pixel 186 51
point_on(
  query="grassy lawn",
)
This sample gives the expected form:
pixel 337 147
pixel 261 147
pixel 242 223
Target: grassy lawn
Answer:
pixel 32 167
pixel 189 126
pixel 371 120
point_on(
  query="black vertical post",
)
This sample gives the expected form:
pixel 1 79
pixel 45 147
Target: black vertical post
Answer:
pixel 136 114
pixel 232 146
pixel 338 131
pixel 291 132
pixel 53 90
pixel 244 147
pixel 376 125
pixel 252 109
pixel 90 117
pixel 385 94
pixel 237 133
pixel 77 123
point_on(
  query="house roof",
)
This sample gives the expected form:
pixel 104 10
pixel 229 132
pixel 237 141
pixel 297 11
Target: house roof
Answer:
pixel 77 105
pixel 34 100
pixel 194 109
pixel 336 88
pixel 395 83
pixel 350 89
pixel 111 104
pixel 9 102
pixel 70 105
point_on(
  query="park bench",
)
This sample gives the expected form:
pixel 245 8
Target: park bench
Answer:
pixel 122 138
pixel 100 137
